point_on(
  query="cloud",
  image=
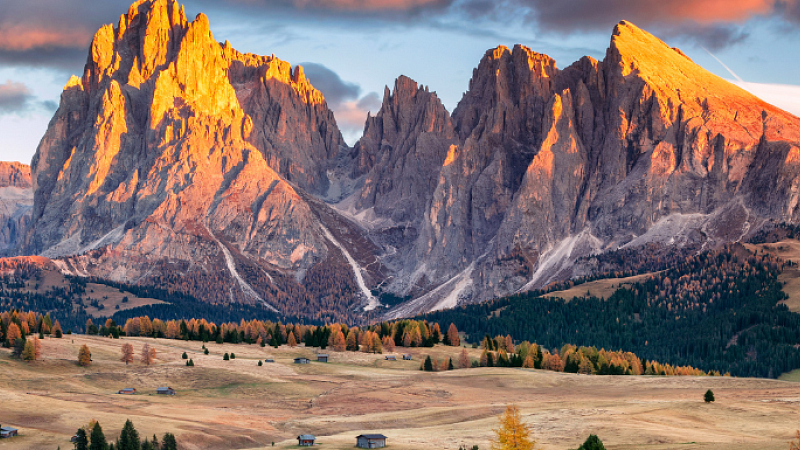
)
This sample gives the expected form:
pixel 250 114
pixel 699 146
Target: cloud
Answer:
pixel 16 98
pixel 343 98
pixel 330 84
pixel 786 97
pixel 369 5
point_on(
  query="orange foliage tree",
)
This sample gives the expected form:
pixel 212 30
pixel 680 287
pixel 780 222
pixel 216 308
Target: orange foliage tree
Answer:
pixel 148 354
pixel 512 433
pixel 84 356
pixel 127 353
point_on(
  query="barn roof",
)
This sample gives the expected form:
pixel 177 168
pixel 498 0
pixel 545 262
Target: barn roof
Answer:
pixel 371 436
pixel 306 437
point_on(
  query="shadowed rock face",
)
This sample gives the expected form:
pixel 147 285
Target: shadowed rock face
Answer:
pixel 556 164
pixel 175 149
pixel 16 203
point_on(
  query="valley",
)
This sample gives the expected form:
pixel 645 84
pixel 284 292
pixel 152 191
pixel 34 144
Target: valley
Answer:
pixel 238 405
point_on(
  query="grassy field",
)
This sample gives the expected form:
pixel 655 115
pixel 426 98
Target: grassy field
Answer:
pixel 236 404
pixel 108 296
pixel 599 288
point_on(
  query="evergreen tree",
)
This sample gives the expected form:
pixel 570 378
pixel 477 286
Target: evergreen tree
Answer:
pixel 190 363
pixel 233 355
pixel 450 364
pixel 128 438
pixel 709 396
pixel 428 365
pixel 260 363
pixel 98 439
pixel 226 357
pixel 147 445
pixel 205 351
pixel 184 356
pixel 592 443
pixel 169 443
pixel 81 440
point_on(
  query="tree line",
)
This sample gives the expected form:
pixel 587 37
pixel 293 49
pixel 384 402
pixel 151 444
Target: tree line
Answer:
pixel 717 311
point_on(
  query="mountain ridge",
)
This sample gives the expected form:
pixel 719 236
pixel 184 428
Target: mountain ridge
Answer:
pixel 175 155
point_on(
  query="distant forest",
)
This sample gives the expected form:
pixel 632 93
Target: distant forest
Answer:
pixel 715 311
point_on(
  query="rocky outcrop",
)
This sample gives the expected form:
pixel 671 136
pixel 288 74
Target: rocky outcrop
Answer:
pixel 16 203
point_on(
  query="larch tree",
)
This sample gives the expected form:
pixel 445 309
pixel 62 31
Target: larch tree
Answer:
pixel 56 331
pixel 463 359
pixel 388 343
pixel 13 333
pixel 127 353
pixel 29 353
pixel 84 356
pixel 37 348
pixel 291 341
pixel 528 363
pixel 795 444
pixel 512 433
pixel 148 354
pixel 452 336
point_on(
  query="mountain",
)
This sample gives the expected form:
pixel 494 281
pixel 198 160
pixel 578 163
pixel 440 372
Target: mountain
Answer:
pixel 644 146
pixel 177 161
pixel 16 203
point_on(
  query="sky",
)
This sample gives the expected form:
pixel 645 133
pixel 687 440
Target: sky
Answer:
pixel 352 49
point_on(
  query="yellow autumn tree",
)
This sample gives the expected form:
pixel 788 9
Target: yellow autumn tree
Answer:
pixel 84 356
pixel 512 433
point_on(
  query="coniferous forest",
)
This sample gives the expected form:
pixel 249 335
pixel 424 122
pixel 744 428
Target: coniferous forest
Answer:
pixel 718 311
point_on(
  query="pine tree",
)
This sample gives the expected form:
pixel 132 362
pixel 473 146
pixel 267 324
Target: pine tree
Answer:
pixel 127 353
pixel 226 357
pixel 169 443
pixel 128 438
pixel 84 356
pixel 233 355
pixel 428 367
pixel 709 396
pixel 98 439
pixel 81 440
pixel 206 351
pixel 512 433
pixel 184 356
pixel 147 445
pixel 450 364
pixel 190 363
pixel 260 363
pixel 592 443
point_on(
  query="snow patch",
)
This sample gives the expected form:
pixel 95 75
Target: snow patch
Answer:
pixel 243 285
pixel 670 230
pixel 372 301
pixel 561 256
